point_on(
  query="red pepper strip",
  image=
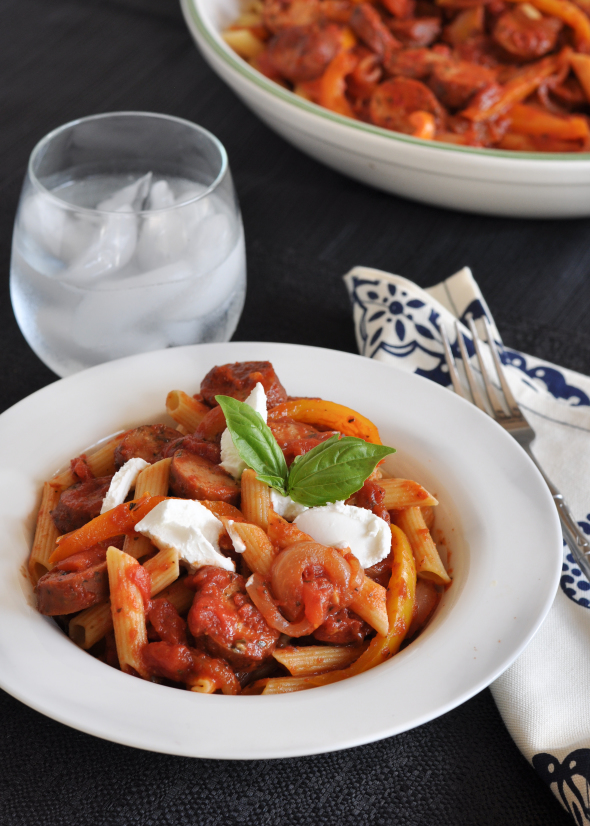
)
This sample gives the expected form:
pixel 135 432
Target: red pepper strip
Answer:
pixel 115 522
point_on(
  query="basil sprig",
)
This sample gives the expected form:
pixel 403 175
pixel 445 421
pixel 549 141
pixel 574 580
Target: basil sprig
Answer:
pixel 329 472
pixel 254 441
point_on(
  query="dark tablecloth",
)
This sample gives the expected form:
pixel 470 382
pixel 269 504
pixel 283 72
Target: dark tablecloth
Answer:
pixel 305 226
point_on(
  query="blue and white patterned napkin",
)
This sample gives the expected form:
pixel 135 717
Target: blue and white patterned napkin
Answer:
pixel 544 697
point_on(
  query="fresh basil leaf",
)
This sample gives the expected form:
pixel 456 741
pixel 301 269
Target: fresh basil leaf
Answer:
pixel 333 470
pixel 254 441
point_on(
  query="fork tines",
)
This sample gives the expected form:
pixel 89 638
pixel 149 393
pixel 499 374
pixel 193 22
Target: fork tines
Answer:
pixel 499 411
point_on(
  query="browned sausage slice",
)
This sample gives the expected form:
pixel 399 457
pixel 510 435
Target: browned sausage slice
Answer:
pixel 455 84
pixel 65 592
pixel 286 430
pixel 239 379
pixel 367 23
pixel 419 31
pixel 193 444
pixel 282 14
pixel 394 100
pixel 147 442
pixel 342 628
pixel 194 477
pixel 224 619
pixel 525 36
pixel 303 53
pixel 80 503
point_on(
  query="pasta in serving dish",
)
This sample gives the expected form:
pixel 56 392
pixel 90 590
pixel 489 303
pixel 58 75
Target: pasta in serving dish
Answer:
pixel 180 585
pixel 510 75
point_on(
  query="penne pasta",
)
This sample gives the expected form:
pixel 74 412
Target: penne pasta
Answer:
pixel 404 493
pixel 45 534
pixel 371 606
pixel 101 462
pixel 154 479
pixel 243 42
pixel 428 562
pixel 258 553
pixel 255 499
pixel 128 612
pixel 91 625
pixel 185 410
pixel 316 659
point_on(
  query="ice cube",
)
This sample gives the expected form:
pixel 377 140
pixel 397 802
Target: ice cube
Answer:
pixel 134 195
pixel 162 239
pixel 210 242
pixel 161 196
pixel 109 252
pixel 207 292
pixel 56 229
pixel 195 212
pixel 126 309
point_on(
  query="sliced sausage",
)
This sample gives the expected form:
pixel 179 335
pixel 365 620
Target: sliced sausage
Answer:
pixel 66 592
pixel 371 497
pixel 282 14
pixel 225 621
pixel 212 426
pixel 524 36
pixel 419 31
pixel 147 442
pixel 80 503
pixel 455 83
pixel 286 430
pixel 303 53
pixel 394 100
pixel 239 379
pixel 299 447
pixel 209 450
pixel 342 628
pixel 194 477
pixel 182 664
pixel 166 622
pixel 366 22
pixel 414 63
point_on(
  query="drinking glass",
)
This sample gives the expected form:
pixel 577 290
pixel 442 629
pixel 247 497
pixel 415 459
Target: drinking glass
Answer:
pixel 128 238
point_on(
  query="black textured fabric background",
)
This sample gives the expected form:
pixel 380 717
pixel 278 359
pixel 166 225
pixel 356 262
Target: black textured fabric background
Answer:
pixel 305 226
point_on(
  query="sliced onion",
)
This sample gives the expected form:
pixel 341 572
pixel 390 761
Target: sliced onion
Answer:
pixel 287 574
pixel 258 591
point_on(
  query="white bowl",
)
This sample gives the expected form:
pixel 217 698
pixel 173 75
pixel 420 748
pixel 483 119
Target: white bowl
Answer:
pixel 491 181
pixel 496 519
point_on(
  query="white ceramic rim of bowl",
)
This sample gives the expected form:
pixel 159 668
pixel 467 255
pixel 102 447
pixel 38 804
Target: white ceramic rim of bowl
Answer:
pixel 506 570
pixel 198 25
pixel 46 140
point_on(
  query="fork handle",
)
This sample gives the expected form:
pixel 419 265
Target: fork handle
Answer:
pixel 576 540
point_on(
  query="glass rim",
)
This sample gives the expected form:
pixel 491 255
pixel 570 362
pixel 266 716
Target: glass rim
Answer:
pixel 46 140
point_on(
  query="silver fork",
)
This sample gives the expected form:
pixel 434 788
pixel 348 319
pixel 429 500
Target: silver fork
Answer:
pixel 514 422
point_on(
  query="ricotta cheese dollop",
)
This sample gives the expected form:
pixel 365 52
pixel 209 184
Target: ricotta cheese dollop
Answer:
pixel 189 528
pixel 344 526
pixel 237 541
pixel 285 506
pixel 121 483
pixel 230 458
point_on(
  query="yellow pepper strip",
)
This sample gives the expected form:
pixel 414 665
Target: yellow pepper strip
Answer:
pixel 495 99
pixel 528 120
pixel 333 84
pixel 581 66
pixel 571 15
pixel 328 415
pixel 401 595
